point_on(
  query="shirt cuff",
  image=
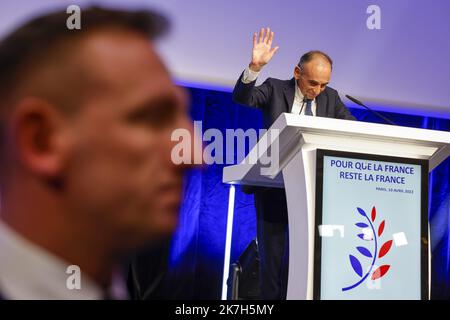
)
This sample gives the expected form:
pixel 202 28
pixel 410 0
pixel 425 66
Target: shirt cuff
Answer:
pixel 249 75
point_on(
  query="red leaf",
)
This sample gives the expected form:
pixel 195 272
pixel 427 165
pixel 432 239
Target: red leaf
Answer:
pixel 381 228
pixel 374 214
pixel 385 248
pixel 381 271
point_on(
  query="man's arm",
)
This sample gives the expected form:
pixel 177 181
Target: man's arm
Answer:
pixel 249 95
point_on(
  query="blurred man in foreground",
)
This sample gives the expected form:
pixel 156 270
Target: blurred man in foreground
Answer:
pixel 86 118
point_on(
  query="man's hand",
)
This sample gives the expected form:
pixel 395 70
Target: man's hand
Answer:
pixel 262 49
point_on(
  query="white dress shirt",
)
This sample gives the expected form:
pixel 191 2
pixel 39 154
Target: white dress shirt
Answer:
pixel 296 108
pixel 28 272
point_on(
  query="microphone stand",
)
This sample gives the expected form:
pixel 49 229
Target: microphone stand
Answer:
pixel 373 111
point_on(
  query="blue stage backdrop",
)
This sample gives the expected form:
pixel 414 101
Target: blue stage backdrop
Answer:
pixel 197 250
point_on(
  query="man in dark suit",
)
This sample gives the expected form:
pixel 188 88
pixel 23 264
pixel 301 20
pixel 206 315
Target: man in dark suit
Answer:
pixel 307 93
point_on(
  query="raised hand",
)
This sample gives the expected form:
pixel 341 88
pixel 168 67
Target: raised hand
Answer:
pixel 262 49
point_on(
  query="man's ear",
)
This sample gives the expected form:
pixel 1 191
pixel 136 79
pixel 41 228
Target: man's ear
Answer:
pixel 297 73
pixel 38 133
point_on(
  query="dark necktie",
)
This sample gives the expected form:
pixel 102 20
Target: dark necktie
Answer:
pixel 308 111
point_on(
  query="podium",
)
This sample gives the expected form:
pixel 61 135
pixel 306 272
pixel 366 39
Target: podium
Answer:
pixel 357 198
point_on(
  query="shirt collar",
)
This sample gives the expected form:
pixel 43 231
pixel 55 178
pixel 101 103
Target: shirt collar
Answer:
pixel 298 93
pixel 27 271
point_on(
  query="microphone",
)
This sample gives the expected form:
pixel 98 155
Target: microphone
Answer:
pixel 305 100
pixel 303 104
pixel 373 111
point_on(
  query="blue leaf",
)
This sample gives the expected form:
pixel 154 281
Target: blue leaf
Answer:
pixel 364 252
pixel 362 225
pixel 356 265
pixel 361 211
pixel 361 235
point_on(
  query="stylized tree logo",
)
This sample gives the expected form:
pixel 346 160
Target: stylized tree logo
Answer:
pixel 356 264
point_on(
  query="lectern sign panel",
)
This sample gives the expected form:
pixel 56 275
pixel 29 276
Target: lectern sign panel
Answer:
pixel 370 227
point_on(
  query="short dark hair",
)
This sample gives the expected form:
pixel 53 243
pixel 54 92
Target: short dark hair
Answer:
pixel 29 44
pixel 308 56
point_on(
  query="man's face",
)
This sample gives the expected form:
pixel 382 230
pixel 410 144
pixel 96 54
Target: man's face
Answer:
pixel 313 78
pixel 121 175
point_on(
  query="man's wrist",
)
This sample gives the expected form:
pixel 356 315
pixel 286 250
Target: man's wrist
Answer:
pixel 255 68
pixel 249 75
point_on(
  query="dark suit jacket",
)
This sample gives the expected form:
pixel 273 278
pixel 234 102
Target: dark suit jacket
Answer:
pixel 276 96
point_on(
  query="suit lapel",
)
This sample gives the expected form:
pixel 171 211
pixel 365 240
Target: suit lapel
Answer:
pixel 321 101
pixel 289 93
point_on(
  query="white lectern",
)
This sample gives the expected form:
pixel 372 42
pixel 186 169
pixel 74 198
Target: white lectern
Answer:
pixel 297 139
